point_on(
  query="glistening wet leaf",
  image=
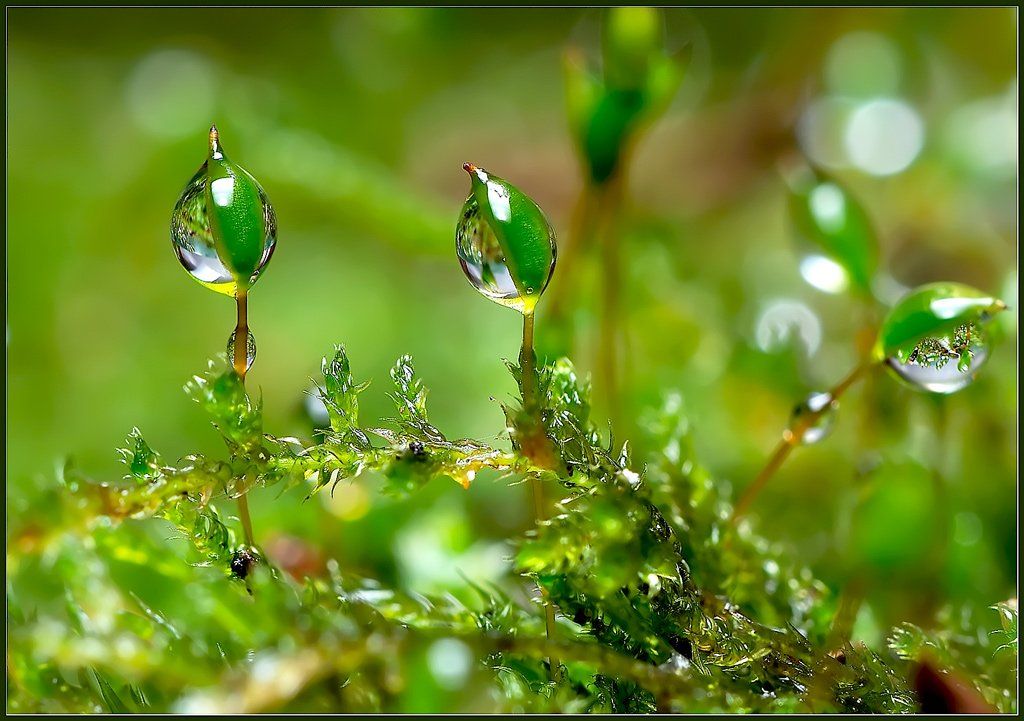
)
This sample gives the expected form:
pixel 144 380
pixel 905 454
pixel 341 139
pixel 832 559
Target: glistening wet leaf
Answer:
pixel 223 227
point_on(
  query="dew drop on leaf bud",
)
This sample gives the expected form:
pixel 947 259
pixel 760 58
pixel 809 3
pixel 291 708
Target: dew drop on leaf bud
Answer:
pixel 943 364
pixel 223 227
pixel 818 411
pixel 934 339
pixel 250 349
pixel 505 244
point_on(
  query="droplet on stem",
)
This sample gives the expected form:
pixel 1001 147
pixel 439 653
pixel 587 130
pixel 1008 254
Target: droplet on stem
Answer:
pixel 250 349
pixel 821 409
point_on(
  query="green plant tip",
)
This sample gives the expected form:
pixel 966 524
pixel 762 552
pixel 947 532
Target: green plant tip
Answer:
pixel 505 244
pixel 223 228
pixel 632 41
pixel 935 338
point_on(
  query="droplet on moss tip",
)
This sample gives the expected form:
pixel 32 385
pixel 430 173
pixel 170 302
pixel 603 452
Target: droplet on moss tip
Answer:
pixel 504 243
pixel 223 228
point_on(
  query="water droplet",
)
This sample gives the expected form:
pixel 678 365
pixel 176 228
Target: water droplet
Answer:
pixel 818 411
pixel 943 364
pixel 214 249
pixel 250 349
pixel 482 258
pixel 517 283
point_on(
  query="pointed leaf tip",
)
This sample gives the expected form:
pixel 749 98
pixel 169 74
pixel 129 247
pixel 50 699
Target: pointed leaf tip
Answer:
pixel 214 139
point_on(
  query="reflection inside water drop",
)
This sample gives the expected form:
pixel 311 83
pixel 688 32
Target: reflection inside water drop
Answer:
pixel 943 364
pixel 483 259
pixel 821 409
pixel 250 349
pixel 194 242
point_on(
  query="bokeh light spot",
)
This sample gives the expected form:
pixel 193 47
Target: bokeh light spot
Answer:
pixel 820 131
pixel 784 320
pixel 982 136
pixel 450 661
pixel 824 274
pixel 828 206
pixel 884 136
pixel 348 501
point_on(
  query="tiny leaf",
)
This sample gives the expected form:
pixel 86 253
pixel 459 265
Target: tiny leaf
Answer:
pixel 825 215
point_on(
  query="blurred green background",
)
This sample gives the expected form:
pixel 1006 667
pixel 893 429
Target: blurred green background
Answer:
pixel 357 122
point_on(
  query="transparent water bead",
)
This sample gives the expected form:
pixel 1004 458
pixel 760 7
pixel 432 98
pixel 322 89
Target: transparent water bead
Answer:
pixel 482 259
pixel 943 364
pixel 250 349
pixel 505 245
pixel 223 228
pixel 821 409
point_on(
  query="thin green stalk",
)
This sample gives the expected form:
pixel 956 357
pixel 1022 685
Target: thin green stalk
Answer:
pixel 241 362
pixel 531 405
pixel 611 287
pixel 819 691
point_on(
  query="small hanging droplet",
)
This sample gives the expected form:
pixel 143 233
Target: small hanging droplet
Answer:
pixel 943 364
pixel 250 349
pixel 821 409
pixel 223 227
pixel 511 223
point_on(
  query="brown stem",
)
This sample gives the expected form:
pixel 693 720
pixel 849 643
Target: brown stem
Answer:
pixel 528 365
pixel 791 438
pixel 243 511
pixel 241 350
pixel 611 282
pixel 240 364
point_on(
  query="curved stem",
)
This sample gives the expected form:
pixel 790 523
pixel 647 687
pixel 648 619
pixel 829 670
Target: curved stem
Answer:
pixel 531 406
pixel 791 438
pixel 241 362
